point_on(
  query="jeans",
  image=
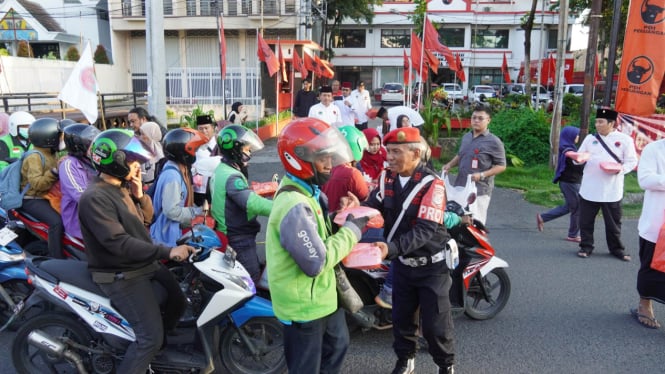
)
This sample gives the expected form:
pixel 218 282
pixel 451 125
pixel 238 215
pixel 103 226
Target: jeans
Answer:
pixel 317 346
pixel 571 205
pixel 41 209
pixel 245 247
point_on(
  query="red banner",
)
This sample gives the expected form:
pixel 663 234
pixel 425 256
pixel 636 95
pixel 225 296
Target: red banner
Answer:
pixel 431 40
pixel 282 63
pixel 643 61
pixel 299 65
pixel 643 130
pixel 266 55
pixel 222 48
pixel 460 69
pixel 504 69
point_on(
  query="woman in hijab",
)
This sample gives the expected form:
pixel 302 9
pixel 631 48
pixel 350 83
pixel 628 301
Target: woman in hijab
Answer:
pixel 374 157
pixel 151 134
pixel 569 177
pixel 237 115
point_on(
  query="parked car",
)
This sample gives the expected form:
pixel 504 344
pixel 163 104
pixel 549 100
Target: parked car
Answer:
pixel 454 92
pixel 392 92
pixel 537 90
pixel 417 90
pixel 575 89
pixel 481 93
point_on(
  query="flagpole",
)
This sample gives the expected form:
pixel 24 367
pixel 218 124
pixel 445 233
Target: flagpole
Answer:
pixel 220 21
pixel 101 107
pixel 422 57
pixel 258 81
pixel 293 73
pixel 277 84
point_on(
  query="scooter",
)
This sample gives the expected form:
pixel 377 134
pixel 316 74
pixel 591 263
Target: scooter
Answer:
pixel 36 244
pixel 14 287
pixel 481 286
pixel 235 330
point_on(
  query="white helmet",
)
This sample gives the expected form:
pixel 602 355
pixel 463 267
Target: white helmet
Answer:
pixel 17 119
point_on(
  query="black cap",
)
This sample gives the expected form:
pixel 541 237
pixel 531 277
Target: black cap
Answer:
pixel 326 89
pixel 607 113
pixel 205 120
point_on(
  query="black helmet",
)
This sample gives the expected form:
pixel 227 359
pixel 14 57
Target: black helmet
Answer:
pixel 78 138
pixel 181 144
pixel 63 123
pixel 233 137
pixel 44 133
pixel 113 149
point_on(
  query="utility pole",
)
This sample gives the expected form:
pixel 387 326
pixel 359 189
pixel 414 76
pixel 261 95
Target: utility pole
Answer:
pixel 555 130
pixel 609 79
pixel 156 59
pixel 589 74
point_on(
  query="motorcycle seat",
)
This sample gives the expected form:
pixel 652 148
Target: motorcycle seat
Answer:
pixel 72 272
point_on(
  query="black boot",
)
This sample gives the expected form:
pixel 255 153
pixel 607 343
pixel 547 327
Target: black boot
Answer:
pixel 447 370
pixel 405 366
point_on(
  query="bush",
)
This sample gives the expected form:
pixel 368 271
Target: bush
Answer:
pixel 24 49
pixel 525 134
pixel 72 54
pixel 572 105
pixel 100 56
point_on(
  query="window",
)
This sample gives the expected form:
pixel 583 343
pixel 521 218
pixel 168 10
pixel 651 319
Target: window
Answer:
pixel 490 39
pixel 452 37
pixel 395 38
pixel 191 7
pixel 350 39
pixel 168 7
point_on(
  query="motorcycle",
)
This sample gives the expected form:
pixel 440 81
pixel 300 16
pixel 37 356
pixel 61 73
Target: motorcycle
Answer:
pixel 14 285
pixel 34 236
pixel 235 329
pixel 481 286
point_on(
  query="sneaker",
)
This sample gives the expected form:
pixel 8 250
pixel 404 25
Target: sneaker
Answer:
pixel 405 366
pixel 447 370
pixel 385 298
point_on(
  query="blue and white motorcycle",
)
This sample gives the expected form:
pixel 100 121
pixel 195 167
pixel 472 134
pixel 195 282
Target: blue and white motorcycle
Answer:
pixel 235 330
pixel 14 285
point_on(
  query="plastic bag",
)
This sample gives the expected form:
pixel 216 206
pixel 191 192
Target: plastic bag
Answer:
pixel 363 256
pixel 375 217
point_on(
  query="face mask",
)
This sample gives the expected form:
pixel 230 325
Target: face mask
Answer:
pixel 23 132
pixel 62 146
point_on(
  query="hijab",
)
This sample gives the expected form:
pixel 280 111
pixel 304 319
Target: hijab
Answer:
pixel 372 164
pixel 154 135
pixel 566 143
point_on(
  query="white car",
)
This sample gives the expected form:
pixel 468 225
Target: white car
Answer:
pixel 481 93
pixel 454 92
pixel 574 89
pixel 392 92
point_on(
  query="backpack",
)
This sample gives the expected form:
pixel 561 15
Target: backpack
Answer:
pixel 11 195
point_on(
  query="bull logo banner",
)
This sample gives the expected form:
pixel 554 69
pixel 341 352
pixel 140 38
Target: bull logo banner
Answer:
pixel 643 61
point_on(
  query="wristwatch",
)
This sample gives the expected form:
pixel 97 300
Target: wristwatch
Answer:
pixel 482 176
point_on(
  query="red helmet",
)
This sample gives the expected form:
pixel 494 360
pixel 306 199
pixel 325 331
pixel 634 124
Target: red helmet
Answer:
pixel 305 138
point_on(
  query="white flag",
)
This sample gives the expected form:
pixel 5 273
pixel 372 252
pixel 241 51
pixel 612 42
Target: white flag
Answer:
pixel 80 91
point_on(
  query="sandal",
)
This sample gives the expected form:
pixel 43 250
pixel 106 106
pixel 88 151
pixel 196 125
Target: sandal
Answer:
pixel 540 223
pixel 623 257
pixel 582 254
pixel 644 320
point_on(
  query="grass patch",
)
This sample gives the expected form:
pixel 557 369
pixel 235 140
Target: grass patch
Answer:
pixel 536 183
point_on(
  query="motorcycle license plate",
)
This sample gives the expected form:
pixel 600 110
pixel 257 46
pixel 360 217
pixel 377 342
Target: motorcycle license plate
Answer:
pixel 7 235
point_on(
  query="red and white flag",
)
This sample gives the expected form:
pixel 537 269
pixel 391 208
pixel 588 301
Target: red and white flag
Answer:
pixel 222 48
pixel 80 90
pixel 266 55
pixel 431 41
pixel 282 63
pixel 504 69
pixel 299 65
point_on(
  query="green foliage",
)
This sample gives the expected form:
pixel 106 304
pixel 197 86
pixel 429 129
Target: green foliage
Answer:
pixel 516 101
pixel 270 120
pixel 496 105
pixel 525 134
pixel 24 49
pixel 51 56
pixel 434 117
pixel 572 105
pixel 100 55
pixel 190 120
pixel 4 52
pixel 72 54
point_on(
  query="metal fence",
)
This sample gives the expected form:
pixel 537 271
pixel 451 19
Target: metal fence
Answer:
pixel 203 85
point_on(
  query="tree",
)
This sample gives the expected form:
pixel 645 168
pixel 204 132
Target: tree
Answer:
pixel 100 56
pixel 24 49
pixel 527 25
pixel 72 54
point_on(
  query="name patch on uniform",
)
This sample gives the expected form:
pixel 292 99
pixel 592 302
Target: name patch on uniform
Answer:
pixel 433 204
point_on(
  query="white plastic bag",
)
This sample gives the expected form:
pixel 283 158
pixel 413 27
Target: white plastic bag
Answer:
pixel 461 194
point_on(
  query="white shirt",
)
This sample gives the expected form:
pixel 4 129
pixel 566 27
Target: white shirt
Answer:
pixel 651 177
pixel 329 114
pixel 204 151
pixel 361 104
pixel 598 185
pixel 346 111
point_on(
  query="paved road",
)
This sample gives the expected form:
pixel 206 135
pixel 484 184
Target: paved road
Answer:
pixel 565 314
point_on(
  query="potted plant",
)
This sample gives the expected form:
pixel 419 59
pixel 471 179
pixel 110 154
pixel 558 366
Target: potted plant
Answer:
pixel 190 120
pixel 435 118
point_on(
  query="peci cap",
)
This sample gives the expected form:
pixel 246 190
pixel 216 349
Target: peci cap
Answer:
pixel 607 114
pixel 326 89
pixel 346 84
pixel 402 136
pixel 205 120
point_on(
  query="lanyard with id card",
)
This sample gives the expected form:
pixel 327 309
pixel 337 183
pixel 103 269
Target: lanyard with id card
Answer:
pixel 474 160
